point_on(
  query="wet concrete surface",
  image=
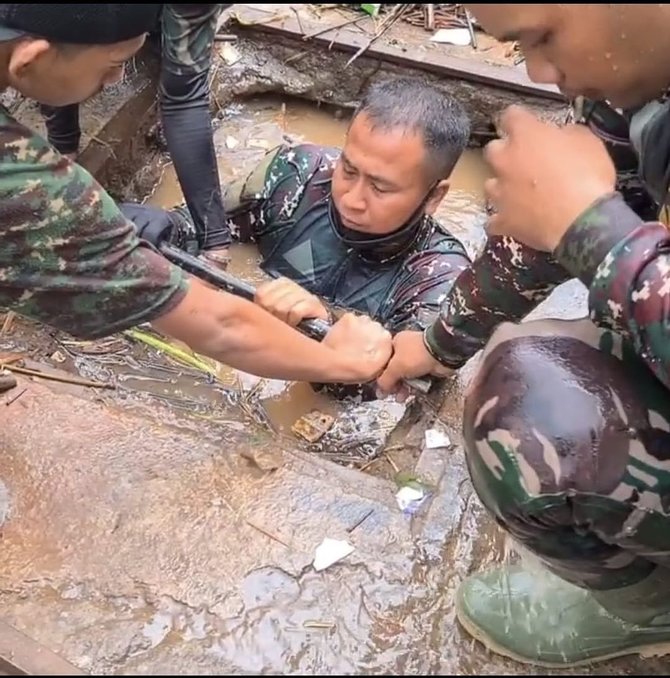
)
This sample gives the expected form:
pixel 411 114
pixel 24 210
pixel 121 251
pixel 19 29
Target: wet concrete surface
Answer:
pixel 140 538
pixel 141 548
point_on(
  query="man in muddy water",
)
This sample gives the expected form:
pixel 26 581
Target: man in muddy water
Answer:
pixel 185 34
pixel 69 257
pixel 354 227
pixel 567 424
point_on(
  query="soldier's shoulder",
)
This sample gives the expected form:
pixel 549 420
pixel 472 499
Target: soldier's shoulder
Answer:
pixel 305 161
pixel 308 152
pixel 442 238
pixel 19 143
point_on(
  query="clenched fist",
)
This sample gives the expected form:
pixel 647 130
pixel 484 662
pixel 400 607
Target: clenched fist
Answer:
pixel 410 359
pixel 365 344
pixel 544 178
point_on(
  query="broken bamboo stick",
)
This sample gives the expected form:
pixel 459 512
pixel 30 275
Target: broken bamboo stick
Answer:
pixel 75 381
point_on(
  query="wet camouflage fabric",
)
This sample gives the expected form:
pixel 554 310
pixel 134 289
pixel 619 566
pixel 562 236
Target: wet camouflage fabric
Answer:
pixel 568 446
pixel 283 205
pixel 188 37
pixel 68 257
pixel 508 279
pixel 567 434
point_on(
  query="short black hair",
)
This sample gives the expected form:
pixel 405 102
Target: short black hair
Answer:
pixel 414 105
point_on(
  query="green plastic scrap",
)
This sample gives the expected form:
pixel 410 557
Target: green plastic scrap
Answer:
pixel 371 9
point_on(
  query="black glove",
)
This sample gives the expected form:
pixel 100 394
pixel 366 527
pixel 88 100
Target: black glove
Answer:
pixel 156 226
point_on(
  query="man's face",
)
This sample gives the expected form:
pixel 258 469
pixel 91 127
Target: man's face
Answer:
pixel 600 51
pixel 381 178
pixel 60 76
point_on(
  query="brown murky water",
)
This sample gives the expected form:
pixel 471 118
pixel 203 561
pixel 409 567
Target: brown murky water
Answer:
pixel 246 132
pixel 249 130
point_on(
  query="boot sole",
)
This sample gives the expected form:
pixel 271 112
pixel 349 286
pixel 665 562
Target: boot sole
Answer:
pixel 645 651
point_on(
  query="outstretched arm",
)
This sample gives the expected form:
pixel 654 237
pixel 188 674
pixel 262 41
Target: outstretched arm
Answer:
pixel 69 258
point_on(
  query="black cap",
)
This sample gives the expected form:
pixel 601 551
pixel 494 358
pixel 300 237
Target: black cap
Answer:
pixel 78 23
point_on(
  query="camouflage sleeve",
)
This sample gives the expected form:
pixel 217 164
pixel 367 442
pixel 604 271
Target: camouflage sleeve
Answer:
pixel 509 279
pixel 505 283
pixel 68 257
pixel 245 198
pixel 625 263
pixel 426 277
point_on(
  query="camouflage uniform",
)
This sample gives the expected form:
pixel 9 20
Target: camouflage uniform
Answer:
pixel 285 206
pixel 68 256
pixel 186 36
pixel 567 424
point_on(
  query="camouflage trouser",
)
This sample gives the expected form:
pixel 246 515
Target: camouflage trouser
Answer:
pixel 187 40
pixel 186 36
pixel 567 438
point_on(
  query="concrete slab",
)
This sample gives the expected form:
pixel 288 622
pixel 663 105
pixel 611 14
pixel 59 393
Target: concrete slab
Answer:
pixel 137 548
pixel 273 56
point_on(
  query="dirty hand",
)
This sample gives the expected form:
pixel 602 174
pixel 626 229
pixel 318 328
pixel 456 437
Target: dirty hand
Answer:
pixel 219 257
pixel 544 177
pixel 364 344
pixel 289 302
pixel 410 359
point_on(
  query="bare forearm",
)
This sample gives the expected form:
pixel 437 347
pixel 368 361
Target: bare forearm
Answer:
pixel 242 335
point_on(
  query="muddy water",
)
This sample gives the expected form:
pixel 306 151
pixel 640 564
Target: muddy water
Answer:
pixel 244 134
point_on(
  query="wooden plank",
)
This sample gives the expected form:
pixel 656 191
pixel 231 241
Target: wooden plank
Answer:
pixel 256 19
pixel 23 656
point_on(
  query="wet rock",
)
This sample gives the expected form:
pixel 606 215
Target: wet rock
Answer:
pixel 7 380
pixel 264 459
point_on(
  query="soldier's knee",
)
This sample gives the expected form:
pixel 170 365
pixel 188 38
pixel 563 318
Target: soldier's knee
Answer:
pixel 186 88
pixel 536 416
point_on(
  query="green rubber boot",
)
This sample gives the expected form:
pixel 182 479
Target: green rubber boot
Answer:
pixel 537 618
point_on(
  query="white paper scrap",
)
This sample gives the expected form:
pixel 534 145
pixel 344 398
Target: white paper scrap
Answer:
pixel 407 495
pixel 436 438
pixel 453 36
pixel 330 551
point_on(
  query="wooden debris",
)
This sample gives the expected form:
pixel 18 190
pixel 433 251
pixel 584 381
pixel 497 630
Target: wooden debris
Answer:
pixel 334 27
pixel 388 21
pixel 432 17
pixel 429 11
pixel 394 466
pixel 297 16
pixel 7 324
pixel 267 534
pixel 20 655
pixel 471 29
pixel 13 399
pixel 10 358
pixel 75 381
pixel 313 426
pixel 360 521
pixel 265 460
pixel 319 625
